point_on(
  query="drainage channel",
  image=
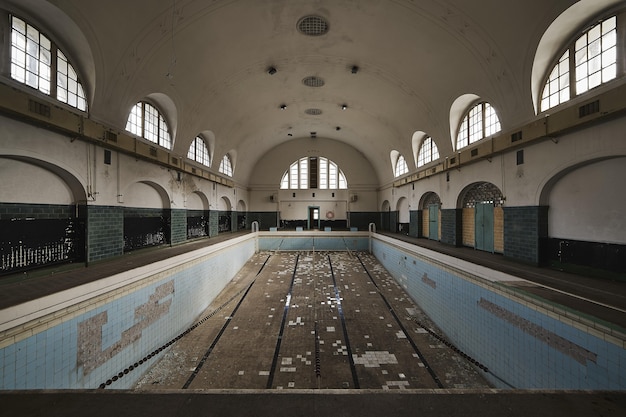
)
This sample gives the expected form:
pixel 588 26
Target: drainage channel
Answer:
pixel 355 378
pixel 404 330
pixel 270 379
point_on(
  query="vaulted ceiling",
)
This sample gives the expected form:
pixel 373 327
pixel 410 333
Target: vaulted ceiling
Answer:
pixel 399 66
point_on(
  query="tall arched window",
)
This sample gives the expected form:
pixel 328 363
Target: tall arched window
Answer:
pixel 199 152
pixel 33 59
pixel 314 172
pixel 401 167
pixel 146 121
pixel 586 63
pixel 481 121
pixel 226 166
pixel 428 152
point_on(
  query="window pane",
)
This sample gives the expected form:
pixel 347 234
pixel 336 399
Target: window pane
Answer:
pixel 323 174
pixel 304 173
pixel 293 172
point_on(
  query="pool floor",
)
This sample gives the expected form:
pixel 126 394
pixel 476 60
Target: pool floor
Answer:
pixel 313 320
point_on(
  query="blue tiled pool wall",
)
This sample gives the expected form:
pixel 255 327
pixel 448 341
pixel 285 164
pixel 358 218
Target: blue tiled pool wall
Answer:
pixel 523 348
pixel 87 350
pixel 317 242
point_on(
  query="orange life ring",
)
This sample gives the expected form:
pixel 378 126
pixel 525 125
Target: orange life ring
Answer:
pixel 330 214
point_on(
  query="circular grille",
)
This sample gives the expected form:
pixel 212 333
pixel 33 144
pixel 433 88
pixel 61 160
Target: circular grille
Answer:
pixel 313 25
pixel 313 112
pixel 313 81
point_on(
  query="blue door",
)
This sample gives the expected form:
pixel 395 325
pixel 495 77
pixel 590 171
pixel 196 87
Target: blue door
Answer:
pixel 483 227
pixel 433 221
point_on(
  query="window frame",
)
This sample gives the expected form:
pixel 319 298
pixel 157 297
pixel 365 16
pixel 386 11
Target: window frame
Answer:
pixel 329 175
pixel 226 166
pixel 48 70
pixel 401 167
pixel 160 130
pixel 574 79
pixel 427 152
pixel 475 125
pixel 205 156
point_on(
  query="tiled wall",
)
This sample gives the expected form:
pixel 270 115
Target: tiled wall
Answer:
pixel 105 232
pixel 95 340
pixel 358 243
pixel 522 344
pixel 524 227
pixel 178 219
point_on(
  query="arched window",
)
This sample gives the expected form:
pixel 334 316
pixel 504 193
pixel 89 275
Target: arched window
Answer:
pixel 147 122
pixel 586 63
pixel 314 172
pixel 226 166
pixel 199 152
pixel 428 152
pixel 481 121
pixel 401 166
pixel 33 59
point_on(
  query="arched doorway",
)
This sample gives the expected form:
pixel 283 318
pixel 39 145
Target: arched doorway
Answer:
pixel 483 217
pixel 431 216
pixel 402 207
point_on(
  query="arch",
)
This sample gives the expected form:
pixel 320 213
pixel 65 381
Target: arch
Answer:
pixel 63 31
pixel 227 165
pixel 593 201
pixel 554 39
pixel 429 198
pixel 298 175
pixel 70 179
pixel 402 207
pixel 416 141
pixel 241 206
pixel 457 113
pixel 161 192
pixel 170 112
pixel 480 192
pixel 386 206
pixel 224 204
pixel 201 201
pixel 209 140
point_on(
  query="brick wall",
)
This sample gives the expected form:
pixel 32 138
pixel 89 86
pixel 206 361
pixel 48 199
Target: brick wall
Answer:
pixel 105 232
pixel 415 222
pixel 468 219
pixel 213 223
pixel 178 223
pixel 523 228
pixel 498 229
pixel 425 223
pixel 451 220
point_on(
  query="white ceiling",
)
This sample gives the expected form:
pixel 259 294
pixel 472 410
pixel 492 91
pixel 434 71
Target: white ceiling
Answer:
pixel 205 63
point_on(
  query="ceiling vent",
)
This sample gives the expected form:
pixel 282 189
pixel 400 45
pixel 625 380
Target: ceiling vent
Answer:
pixel 313 25
pixel 313 81
pixel 313 112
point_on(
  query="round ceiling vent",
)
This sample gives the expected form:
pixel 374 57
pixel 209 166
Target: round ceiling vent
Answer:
pixel 313 112
pixel 313 25
pixel 313 81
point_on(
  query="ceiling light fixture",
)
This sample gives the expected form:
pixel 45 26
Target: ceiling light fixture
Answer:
pixel 271 70
pixel 354 69
pixel 283 107
pixel 344 106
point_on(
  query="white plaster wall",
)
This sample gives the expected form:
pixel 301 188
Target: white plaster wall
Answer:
pixel 589 203
pixel 23 182
pixel 123 182
pixel 266 176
